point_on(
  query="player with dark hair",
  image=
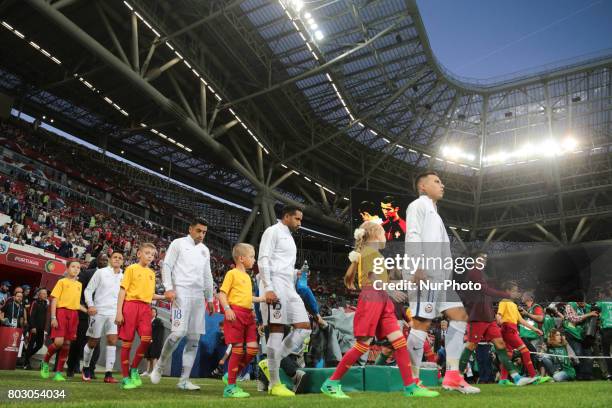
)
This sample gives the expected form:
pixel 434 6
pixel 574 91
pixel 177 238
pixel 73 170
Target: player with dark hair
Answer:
pixel 277 275
pixel 187 278
pixel 426 237
pixel 394 225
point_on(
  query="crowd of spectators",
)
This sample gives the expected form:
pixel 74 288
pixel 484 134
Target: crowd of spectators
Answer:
pixel 78 167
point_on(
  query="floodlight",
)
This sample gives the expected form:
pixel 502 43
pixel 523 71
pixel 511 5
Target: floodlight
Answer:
pixel 319 35
pixel 297 4
pixel 569 143
pixel 549 148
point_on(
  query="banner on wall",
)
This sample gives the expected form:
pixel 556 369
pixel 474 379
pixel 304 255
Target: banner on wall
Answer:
pixel 21 259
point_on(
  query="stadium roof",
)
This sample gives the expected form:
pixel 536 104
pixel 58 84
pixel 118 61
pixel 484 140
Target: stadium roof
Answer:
pixel 336 94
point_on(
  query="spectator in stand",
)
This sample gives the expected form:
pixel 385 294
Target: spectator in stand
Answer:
pixel 65 249
pixel 38 321
pixel 5 288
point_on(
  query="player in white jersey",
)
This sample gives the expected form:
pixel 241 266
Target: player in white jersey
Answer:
pixel 101 299
pixel 187 278
pixel 277 277
pixel 426 237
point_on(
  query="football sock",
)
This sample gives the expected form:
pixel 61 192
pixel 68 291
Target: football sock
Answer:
pixel 170 345
pixel 454 344
pixel 145 342
pixel 125 358
pixel 403 360
pixel 274 347
pixel 349 359
pixel 111 352
pixel 87 353
pixel 234 364
pixel 416 339
pixel 189 354
pixel 294 341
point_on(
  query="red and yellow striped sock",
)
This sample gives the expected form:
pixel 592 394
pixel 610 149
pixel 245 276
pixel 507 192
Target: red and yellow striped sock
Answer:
pixel 527 363
pixel 234 364
pixel 145 342
pixel 349 359
pixel 125 358
pixel 403 360
pixel 50 352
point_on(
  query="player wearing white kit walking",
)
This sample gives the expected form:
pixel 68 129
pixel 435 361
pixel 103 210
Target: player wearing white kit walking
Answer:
pixel 426 235
pixel 187 277
pixel 101 298
pixel 277 277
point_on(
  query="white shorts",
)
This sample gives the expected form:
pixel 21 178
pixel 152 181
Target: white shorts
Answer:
pixel 101 326
pixel 289 310
pixel 429 304
pixel 188 315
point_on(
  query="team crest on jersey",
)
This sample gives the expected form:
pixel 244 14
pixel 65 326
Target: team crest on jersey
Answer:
pixel 277 310
pixel 176 323
pixel 428 307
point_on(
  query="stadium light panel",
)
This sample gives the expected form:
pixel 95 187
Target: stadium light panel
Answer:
pixel 569 143
pixel 297 4
pixel 549 148
pixel 319 35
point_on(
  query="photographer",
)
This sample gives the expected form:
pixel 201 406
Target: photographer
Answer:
pixel 558 366
pixel 534 314
pixel 577 315
pixel 605 331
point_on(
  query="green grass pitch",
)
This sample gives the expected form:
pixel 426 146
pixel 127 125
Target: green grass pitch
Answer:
pixel 165 394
